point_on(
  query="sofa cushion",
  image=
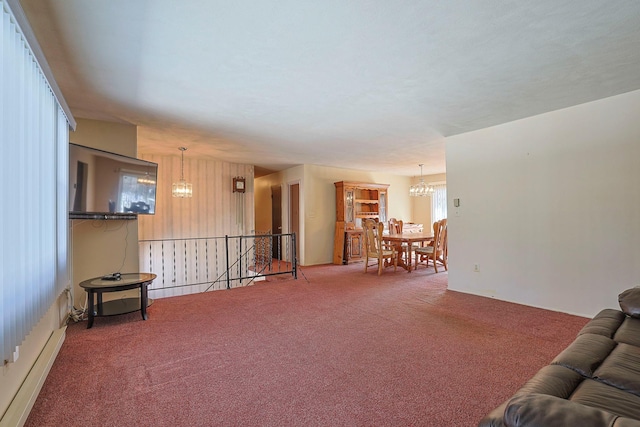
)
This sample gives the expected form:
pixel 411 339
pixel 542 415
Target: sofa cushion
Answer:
pixel 621 369
pixel 602 396
pixel 541 410
pixel 626 422
pixel 630 301
pixel 585 354
pixel 604 323
pixel 629 332
pixel 554 380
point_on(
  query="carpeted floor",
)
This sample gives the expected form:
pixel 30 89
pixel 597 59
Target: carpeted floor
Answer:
pixel 343 349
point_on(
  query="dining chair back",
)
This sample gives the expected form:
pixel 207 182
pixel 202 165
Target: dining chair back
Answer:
pixel 375 248
pixel 395 226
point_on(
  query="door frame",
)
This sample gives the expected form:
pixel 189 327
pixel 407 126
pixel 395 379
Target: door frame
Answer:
pixel 275 209
pixel 286 209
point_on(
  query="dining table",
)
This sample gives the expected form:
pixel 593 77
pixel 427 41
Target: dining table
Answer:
pixel 398 239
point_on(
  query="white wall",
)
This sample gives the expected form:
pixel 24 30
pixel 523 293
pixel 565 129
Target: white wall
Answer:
pixel 549 207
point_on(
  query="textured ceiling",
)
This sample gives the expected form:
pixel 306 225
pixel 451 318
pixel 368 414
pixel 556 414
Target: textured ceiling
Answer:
pixel 373 85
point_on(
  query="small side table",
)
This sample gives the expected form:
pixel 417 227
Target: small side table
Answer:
pixel 97 286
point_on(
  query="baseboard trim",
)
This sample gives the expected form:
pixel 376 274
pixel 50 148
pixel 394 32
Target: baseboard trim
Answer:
pixel 18 411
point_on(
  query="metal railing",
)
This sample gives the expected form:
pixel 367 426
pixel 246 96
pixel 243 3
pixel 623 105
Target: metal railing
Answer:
pixel 186 266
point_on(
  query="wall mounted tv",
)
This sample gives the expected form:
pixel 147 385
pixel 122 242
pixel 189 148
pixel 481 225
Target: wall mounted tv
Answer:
pixel 105 185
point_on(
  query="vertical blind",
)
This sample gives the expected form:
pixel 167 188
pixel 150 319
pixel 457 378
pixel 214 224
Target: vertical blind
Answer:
pixel 33 202
pixel 439 202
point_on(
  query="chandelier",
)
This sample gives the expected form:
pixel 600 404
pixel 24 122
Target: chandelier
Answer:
pixel 182 188
pixel 421 188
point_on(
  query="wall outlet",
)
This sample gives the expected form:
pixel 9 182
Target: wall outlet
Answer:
pixel 476 267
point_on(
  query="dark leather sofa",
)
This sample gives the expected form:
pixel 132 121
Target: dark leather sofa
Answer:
pixel 594 382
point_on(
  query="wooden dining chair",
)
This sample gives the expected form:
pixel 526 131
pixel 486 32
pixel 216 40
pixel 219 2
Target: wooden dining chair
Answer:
pixel 375 248
pixel 395 226
pixel 436 252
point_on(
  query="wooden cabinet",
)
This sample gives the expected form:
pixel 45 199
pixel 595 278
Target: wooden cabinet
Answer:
pixel 355 202
pixel 353 245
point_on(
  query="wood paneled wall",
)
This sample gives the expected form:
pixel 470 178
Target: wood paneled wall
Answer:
pixel 214 210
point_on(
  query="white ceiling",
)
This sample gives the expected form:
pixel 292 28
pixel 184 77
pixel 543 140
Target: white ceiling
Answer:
pixel 373 85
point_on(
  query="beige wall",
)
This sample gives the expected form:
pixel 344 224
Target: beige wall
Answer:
pixel 103 246
pixel 318 198
pixel 13 374
pixel 549 207
pixel 421 206
pixel 320 205
pixel 283 179
pixel 115 137
pixel 107 246
pixel 213 211
pixel 262 200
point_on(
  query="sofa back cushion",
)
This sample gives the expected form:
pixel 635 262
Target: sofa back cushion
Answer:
pixel 585 354
pixel 621 369
pixel 604 323
pixel 629 332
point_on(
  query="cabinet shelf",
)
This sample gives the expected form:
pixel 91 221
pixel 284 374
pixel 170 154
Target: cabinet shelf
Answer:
pixel 356 202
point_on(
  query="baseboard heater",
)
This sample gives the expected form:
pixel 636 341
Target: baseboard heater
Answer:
pixel 18 410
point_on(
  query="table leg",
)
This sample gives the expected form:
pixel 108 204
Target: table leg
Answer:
pixel 409 259
pixel 143 300
pixel 99 307
pixel 90 309
pixel 401 261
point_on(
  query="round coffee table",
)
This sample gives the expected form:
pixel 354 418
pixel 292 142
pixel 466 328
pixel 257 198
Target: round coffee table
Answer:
pixel 99 285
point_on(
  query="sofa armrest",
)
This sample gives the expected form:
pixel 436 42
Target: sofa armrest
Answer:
pixel 540 410
pixel 554 380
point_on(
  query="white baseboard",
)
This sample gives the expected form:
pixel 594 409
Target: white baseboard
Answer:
pixel 18 411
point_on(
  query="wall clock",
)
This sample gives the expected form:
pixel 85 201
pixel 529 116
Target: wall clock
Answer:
pixel 239 184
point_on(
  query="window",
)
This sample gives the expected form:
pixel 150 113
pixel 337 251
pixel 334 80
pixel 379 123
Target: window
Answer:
pixel 439 202
pixel 34 131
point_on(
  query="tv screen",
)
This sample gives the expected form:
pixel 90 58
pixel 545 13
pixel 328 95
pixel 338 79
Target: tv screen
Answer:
pixel 103 184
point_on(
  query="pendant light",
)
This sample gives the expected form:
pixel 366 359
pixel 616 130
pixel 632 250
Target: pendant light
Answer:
pixel 182 188
pixel 421 189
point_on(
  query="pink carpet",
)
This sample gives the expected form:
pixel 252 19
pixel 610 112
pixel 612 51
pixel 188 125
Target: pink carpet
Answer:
pixel 343 349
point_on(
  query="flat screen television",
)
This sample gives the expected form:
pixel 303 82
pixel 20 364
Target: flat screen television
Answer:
pixel 109 185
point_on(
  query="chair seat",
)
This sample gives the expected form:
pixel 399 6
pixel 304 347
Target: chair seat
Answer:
pixel 424 250
pixel 384 253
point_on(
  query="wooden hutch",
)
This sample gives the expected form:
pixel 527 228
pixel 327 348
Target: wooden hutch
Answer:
pixel 355 202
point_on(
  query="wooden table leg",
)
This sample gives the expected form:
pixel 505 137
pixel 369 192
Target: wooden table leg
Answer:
pixel 143 300
pixel 90 308
pixel 401 262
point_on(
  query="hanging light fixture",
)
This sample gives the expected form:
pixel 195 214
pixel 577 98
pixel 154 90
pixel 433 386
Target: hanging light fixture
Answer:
pixel 182 188
pixel 421 188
